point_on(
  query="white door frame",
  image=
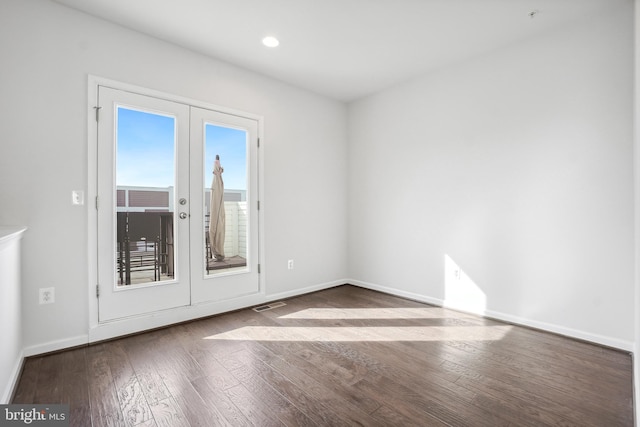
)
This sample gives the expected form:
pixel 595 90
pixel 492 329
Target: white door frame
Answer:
pixel 100 331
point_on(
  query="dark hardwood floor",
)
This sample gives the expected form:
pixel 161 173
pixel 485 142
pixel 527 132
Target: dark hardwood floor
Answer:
pixel 341 357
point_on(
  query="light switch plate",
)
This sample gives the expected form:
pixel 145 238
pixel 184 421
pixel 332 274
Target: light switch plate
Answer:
pixel 77 197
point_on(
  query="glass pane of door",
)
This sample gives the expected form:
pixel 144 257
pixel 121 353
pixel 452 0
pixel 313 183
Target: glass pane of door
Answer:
pixel 224 195
pixel 225 199
pixel 145 182
pixel 143 210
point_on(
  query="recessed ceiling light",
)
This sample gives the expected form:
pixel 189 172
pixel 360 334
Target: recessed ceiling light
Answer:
pixel 270 41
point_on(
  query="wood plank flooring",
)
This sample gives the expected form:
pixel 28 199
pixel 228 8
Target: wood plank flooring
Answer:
pixel 341 357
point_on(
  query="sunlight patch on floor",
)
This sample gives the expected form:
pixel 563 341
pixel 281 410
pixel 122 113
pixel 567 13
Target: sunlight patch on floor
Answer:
pixel 367 333
pixel 368 313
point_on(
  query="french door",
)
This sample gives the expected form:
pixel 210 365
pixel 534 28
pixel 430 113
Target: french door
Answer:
pixel 171 232
pixel 224 237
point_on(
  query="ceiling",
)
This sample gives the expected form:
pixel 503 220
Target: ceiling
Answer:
pixel 343 49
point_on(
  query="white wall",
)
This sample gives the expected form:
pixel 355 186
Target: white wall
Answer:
pixel 47 51
pixel 517 166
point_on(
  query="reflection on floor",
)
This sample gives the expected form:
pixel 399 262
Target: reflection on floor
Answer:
pixel 229 262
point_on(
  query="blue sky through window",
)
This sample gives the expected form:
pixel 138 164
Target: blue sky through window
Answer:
pixel 231 145
pixel 146 151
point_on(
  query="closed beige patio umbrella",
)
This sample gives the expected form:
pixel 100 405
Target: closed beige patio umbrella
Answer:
pixel 216 215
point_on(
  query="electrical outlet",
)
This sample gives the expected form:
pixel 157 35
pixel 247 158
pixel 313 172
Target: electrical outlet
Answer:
pixel 290 264
pixel 47 295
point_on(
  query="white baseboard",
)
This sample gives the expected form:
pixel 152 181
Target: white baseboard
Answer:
pixel 116 328
pixel 13 380
pixel 121 327
pixel 136 324
pixel 561 330
pixel 549 327
pixel 55 345
pixel 306 290
pixel 396 292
